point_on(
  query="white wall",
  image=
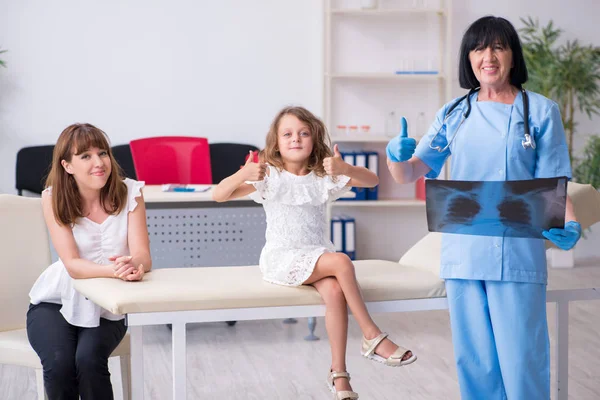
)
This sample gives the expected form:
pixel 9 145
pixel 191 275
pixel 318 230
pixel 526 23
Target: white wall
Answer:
pixel 218 69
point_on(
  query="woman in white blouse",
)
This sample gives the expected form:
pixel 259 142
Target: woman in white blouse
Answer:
pixel 97 222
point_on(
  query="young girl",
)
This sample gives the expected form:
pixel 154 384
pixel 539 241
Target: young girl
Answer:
pixel 295 178
pixel 97 222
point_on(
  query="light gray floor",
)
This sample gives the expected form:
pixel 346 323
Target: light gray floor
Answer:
pixel 269 360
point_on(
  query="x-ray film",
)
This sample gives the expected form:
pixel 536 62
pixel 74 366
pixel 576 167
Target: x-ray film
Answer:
pixel 496 208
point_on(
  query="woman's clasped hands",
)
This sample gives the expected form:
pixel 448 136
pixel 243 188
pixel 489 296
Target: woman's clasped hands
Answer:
pixel 124 268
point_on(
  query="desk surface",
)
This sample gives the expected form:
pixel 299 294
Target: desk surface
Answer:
pixel 154 194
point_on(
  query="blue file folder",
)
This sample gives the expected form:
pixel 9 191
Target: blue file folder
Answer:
pixel 348 157
pixel 349 230
pixel 360 160
pixel 356 159
pixel 373 166
pixel 343 235
pixel 337 234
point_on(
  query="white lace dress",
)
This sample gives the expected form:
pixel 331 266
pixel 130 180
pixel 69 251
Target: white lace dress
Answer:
pixel 296 223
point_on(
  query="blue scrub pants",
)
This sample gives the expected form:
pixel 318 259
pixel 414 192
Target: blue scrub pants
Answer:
pixel 500 337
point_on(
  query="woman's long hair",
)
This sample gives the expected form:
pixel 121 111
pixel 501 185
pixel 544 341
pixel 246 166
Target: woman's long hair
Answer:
pixel 66 200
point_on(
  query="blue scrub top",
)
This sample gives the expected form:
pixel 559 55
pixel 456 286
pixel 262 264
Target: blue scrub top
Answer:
pixel 487 147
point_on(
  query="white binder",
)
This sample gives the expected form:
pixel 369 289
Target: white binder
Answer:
pixel 337 235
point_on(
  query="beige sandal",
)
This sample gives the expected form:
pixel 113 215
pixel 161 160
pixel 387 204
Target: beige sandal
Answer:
pixel 395 360
pixel 344 394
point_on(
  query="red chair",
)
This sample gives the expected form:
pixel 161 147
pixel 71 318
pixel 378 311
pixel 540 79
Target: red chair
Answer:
pixel 172 159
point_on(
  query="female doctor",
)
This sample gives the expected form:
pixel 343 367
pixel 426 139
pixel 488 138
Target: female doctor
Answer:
pixel 496 286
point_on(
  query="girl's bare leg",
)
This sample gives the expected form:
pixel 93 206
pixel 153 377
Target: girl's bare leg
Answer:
pixel 338 265
pixel 336 323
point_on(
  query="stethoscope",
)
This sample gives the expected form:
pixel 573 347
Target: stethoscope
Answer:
pixel 527 142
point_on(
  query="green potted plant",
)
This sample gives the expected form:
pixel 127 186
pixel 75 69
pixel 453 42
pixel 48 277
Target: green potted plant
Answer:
pixel 568 73
pixel 587 168
pixel 2 63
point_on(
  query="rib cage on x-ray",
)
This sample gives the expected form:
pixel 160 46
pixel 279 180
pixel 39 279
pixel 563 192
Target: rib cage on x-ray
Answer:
pixel 496 208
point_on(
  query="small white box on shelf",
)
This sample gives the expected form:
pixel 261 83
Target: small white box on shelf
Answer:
pixel 368 4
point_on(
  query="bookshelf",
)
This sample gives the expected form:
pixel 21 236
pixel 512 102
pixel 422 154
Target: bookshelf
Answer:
pixel 381 64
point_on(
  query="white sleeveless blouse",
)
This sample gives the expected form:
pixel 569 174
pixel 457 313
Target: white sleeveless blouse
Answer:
pixel 96 243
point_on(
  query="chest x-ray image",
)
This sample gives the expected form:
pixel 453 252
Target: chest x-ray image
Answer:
pixel 496 208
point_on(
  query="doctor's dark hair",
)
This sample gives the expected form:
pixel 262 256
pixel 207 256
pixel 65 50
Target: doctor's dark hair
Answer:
pixel 483 33
pixel 320 137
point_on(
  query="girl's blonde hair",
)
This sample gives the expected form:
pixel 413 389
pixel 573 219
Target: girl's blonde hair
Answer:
pixel 66 200
pixel 321 141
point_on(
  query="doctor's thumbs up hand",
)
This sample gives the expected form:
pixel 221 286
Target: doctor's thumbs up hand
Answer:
pixel 335 165
pixel 566 238
pixel 252 171
pixel 401 148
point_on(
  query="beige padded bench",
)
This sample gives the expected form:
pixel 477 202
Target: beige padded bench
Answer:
pixel 188 295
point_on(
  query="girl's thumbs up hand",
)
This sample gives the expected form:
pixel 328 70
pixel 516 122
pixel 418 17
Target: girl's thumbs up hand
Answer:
pixel 252 171
pixel 335 165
